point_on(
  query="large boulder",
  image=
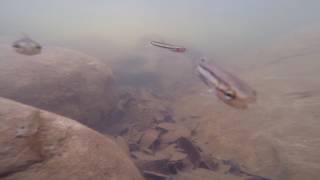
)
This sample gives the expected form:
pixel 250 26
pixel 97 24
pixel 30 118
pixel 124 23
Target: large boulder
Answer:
pixel 59 80
pixel 37 145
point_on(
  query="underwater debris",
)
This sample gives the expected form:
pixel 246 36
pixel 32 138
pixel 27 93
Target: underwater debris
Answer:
pixel 171 47
pixel 155 176
pixel 230 89
pixel 191 150
pixel 27 46
pixel 182 155
pixel 174 134
pixel 166 167
pixel 149 138
pixel 163 149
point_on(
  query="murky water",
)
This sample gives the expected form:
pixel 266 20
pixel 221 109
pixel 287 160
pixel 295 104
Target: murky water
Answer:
pixel 273 45
pixel 217 28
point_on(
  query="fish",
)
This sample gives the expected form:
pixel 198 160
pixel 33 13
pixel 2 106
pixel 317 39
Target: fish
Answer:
pixel 171 47
pixel 27 46
pixel 229 88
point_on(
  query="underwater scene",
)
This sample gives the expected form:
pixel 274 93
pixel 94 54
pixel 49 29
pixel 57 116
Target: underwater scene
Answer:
pixel 159 90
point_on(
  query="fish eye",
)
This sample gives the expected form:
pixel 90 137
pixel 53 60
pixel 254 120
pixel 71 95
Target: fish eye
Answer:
pixel 16 46
pixel 229 95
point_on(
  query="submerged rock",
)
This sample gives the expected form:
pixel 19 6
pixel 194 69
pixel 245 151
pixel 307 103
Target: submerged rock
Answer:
pixel 37 145
pixel 59 80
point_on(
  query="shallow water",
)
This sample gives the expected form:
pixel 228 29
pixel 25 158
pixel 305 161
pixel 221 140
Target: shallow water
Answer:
pixel 216 28
pixel 272 45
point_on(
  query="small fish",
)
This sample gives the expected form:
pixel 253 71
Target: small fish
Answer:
pixel 27 46
pixel 229 88
pixel 171 47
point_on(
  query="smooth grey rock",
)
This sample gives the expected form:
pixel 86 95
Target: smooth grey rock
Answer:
pixel 37 145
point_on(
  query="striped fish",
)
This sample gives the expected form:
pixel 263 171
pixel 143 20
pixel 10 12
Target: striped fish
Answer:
pixel 171 47
pixel 230 89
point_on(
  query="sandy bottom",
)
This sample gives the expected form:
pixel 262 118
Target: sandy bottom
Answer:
pixel 279 136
